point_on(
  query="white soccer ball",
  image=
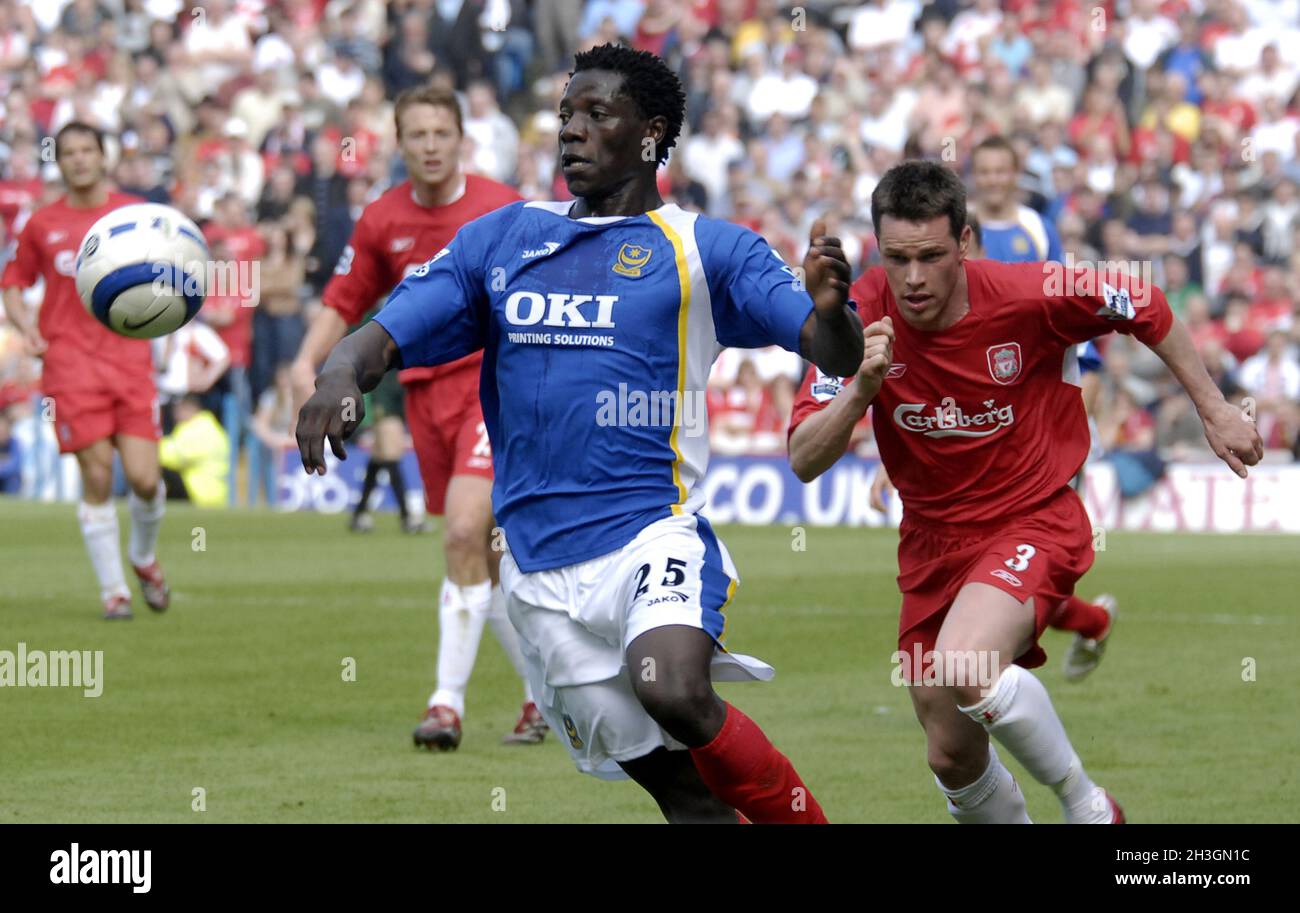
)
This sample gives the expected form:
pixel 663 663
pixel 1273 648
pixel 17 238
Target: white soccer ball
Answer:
pixel 142 270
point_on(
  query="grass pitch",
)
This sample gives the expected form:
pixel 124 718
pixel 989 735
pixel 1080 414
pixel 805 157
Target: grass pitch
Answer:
pixel 239 689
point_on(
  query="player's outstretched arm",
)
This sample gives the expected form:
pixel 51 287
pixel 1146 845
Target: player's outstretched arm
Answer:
pixel 326 329
pixel 831 337
pixel 334 411
pixel 24 320
pixel 1228 428
pixel 822 437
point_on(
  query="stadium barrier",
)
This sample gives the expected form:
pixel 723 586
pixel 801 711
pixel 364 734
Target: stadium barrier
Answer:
pixel 762 490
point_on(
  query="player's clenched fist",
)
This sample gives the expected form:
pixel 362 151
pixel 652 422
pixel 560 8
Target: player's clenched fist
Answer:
pixel 332 413
pixel 826 271
pixel 877 354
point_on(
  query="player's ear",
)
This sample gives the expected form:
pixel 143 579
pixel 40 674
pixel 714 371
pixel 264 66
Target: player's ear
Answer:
pixel 963 242
pixel 656 132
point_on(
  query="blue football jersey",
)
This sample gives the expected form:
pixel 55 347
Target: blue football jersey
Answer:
pixel 1029 239
pixel 598 336
pixel 1089 355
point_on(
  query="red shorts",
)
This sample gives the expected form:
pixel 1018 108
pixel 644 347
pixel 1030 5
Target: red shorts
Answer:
pixel 446 422
pixel 101 399
pixel 1041 554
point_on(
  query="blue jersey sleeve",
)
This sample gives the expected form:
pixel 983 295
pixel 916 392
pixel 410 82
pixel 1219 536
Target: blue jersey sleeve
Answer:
pixel 757 300
pixel 438 313
pixel 1089 357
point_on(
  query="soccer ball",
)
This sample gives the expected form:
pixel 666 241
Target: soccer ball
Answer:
pixel 141 270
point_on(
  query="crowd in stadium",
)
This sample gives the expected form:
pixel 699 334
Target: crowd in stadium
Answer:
pixel 1160 135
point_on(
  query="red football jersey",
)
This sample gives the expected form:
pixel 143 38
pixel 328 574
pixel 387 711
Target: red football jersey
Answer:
pixel 394 235
pixel 984 420
pixel 47 247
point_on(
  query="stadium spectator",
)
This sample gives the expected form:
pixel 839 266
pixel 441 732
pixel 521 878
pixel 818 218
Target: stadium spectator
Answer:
pixel 278 318
pixel 1272 377
pixel 189 362
pixel 273 424
pixel 195 457
pixel 217 48
pixel 495 137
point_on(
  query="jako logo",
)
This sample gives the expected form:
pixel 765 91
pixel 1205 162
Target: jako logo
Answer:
pixel 550 248
pixel 78 866
pixel 525 309
pixel 949 420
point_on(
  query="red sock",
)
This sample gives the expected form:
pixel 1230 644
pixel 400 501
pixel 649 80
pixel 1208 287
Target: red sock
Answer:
pixel 1084 617
pixel 743 769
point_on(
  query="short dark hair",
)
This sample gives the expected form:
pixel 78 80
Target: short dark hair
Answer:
pixel 918 191
pixel 976 232
pixel 647 80
pixel 78 126
pixel 427 95
pixel 998 144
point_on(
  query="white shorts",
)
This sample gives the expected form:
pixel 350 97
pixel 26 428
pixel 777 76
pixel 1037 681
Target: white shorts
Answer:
pixel 576 622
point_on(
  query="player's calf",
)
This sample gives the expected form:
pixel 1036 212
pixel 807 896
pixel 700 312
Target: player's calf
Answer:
pixel 672 780
pixel 967 770
pixel 670 676
pixel 1019 714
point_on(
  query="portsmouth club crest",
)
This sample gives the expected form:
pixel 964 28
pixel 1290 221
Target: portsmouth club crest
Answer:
pixel 631 259
pixel 1005 362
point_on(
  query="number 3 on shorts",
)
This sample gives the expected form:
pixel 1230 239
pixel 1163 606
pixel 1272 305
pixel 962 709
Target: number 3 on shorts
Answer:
pixel 1021 561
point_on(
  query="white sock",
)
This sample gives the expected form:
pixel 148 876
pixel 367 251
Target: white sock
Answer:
pixel 994 797
pixel 505 632
pixel 99 529
pixel 1019 714
pixel 461 616
pixel 146 518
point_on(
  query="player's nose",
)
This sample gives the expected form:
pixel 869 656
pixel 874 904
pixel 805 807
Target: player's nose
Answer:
pixel 573 130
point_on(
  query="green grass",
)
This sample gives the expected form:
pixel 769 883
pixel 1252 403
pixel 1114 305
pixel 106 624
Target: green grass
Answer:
pixel 238 689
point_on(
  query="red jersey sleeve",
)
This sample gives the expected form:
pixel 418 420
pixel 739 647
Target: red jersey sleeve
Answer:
pixel 359 279
pixel 815 394
pixel 1084 303
pixel 24 269
pixel 818 389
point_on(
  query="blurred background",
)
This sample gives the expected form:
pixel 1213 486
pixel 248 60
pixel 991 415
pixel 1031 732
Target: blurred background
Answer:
pixel 1163 134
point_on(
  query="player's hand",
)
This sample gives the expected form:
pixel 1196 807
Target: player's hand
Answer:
pixel 826 272
pixel 1232 436
pixel 332 413
pixel 34 343
pixel 880 487
pixel 877 356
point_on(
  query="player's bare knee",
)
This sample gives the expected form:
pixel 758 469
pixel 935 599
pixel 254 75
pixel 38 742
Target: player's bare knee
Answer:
pixel 685 705
pixel 956 762
pixel 96 483
pixel 144 484
pixel 464 539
